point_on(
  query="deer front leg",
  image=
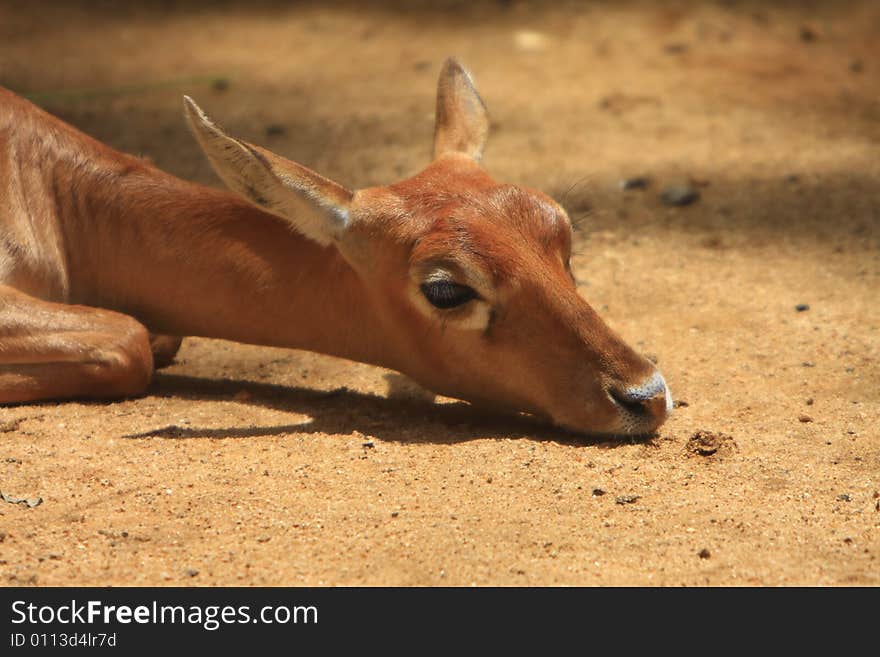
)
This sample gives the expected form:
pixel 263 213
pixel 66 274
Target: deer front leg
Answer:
pixel 57 351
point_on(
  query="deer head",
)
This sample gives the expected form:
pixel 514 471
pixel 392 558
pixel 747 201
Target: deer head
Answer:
pixel 471 278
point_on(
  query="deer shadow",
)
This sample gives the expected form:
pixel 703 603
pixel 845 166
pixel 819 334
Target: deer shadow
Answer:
pixel 343 411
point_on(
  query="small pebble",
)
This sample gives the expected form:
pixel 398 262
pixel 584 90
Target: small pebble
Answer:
pixel 844 497
pixel 10 425
pixel 636 182
pixel 191 572
pixel 803 417
pixel 809 401
pixel 369 444
pixel 808 34
pixel 29 502
pixel 394 514
pixel 598 492
pixel 704 554
pixel 679 195
pixel 802 307
pixel 627 499
pixel 675 48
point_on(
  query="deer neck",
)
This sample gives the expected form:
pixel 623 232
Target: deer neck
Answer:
pixel 190 260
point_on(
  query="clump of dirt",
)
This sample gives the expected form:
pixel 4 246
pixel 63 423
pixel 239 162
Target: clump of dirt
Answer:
pixel 710 443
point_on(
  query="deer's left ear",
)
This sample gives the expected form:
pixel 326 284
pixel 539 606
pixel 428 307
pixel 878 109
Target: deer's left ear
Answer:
pixel 462 122
pixel 313 205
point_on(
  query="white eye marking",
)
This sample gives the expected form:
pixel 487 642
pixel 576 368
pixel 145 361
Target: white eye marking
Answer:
pixel 477 319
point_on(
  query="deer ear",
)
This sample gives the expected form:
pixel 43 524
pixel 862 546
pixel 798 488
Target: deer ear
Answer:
pixel 462 122
pixel 313 205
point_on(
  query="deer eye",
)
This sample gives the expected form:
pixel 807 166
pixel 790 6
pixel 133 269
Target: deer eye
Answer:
pixel 446 294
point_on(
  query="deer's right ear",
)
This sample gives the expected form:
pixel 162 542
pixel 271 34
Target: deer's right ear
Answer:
pixel 313 205
pixel 462 122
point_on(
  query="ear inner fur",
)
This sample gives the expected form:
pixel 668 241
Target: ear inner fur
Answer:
pixel 312 204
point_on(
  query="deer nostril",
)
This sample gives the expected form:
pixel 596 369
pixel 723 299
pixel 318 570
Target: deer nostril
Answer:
pixel 650 398
pixel 632 403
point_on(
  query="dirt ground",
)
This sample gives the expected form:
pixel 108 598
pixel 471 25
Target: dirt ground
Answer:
pixel 247 465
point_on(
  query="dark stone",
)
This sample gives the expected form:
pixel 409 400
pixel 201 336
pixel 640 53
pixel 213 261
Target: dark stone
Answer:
pixel 679 195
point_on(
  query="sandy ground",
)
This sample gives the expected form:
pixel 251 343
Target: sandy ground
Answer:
pixel 255 466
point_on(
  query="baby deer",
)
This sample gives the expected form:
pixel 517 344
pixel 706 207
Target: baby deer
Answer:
pixel 458 281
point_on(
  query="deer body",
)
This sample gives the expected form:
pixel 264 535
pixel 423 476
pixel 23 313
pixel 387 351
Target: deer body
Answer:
pixel 447 276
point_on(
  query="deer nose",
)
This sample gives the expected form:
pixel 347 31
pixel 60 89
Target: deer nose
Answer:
pixel 650 401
